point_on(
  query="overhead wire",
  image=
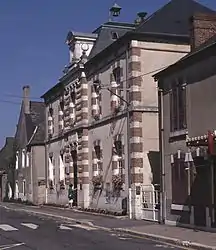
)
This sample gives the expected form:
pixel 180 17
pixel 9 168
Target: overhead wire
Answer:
pixel 104 85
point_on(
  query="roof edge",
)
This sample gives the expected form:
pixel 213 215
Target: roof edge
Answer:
pixel 182 61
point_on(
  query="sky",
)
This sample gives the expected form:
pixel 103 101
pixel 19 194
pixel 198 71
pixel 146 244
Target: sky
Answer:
pixel 32 44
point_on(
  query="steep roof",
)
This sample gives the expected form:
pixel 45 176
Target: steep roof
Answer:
pixel 36 118
pixel 105 31
pixel 173 18
pixel 6 153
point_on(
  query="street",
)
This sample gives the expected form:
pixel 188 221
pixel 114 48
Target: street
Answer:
pixel 21 231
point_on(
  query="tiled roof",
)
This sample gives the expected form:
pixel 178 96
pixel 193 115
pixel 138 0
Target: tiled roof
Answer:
pixel 105 35
pixel 36 118
pixel 173 18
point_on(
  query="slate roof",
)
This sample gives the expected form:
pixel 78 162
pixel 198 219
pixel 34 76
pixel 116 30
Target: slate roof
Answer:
pixel 104 35
pixel 36 118
pixel 173 18
pixel 6 153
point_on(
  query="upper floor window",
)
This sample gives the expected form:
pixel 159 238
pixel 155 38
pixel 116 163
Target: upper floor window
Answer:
pixel 27 159
pixel 23 158
pixel 117 75
pixel 178 106
pixel 17 159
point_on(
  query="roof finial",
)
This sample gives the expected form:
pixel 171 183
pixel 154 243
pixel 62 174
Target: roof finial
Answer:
pixel 114 11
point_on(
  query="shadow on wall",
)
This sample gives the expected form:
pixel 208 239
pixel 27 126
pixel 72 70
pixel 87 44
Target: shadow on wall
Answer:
pixel 154 160
pixel 198 202
pixel 104 195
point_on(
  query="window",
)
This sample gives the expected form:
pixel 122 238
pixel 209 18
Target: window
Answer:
pixel 120 166
pixel 27 159
pixel 17 159
pixel 24 187
pixel 23 158
pixel 178 106
pixel 117 75
pixel 114 35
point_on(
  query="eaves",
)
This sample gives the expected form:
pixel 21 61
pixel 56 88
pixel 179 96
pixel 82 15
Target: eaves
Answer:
pixel 56 90
pixel 140 36
pixel 186 61
pixel 36 144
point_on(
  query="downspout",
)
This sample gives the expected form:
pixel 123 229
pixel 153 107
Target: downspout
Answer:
pixel 128 139
pixel 30 140
pixel 162 162
pixel 46 172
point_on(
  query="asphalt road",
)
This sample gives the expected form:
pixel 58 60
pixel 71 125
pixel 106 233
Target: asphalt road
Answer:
pixel 21 231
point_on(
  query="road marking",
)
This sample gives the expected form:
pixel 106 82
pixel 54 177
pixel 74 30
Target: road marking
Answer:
pixel 163 246
pixel 121 238
pixel 30 225
pixel 65 228
pixel 6 227
pixel 11 246
pixel 83 227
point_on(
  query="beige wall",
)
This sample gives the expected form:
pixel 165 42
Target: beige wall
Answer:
pixel 38 173
pixel 202 106
pixel 155 57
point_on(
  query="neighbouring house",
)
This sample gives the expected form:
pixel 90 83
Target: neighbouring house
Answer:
pixel 87 111
pixel 30 172
pixel 7 165
pixel 187 97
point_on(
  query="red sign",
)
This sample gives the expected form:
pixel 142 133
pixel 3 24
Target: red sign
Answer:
pixel 210 143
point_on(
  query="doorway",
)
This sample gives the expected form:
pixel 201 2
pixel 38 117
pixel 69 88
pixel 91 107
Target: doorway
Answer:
pixel 74 156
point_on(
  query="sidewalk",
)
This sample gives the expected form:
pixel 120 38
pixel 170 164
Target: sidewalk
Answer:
pixel 175 235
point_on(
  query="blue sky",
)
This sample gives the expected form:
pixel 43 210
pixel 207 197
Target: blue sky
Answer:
pixel 32 44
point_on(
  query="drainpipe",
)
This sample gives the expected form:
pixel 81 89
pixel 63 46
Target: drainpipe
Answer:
pixel 46 172
pixel 162 162
pixel 128 139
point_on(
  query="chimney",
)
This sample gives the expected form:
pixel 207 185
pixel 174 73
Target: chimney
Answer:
pixel 140 17
pixel 203 27
pixel 26 102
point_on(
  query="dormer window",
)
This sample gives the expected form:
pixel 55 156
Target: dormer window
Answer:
pixel 114 35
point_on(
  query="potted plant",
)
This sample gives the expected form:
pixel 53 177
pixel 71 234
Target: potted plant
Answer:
pixel 62 184
pixel 97 182
pixel 117 182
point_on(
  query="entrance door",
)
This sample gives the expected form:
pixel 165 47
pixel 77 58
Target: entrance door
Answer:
pixel 150 203
pixel 74 156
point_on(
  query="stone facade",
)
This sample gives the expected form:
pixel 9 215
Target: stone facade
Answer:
pixel 30 151
pixel 98 92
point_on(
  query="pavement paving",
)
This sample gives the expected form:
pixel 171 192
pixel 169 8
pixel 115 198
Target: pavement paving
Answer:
pixel 24 231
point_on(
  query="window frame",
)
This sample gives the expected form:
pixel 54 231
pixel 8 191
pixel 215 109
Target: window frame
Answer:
pixel 177 99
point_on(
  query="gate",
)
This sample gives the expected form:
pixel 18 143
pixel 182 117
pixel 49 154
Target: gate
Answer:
pixel 150 203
